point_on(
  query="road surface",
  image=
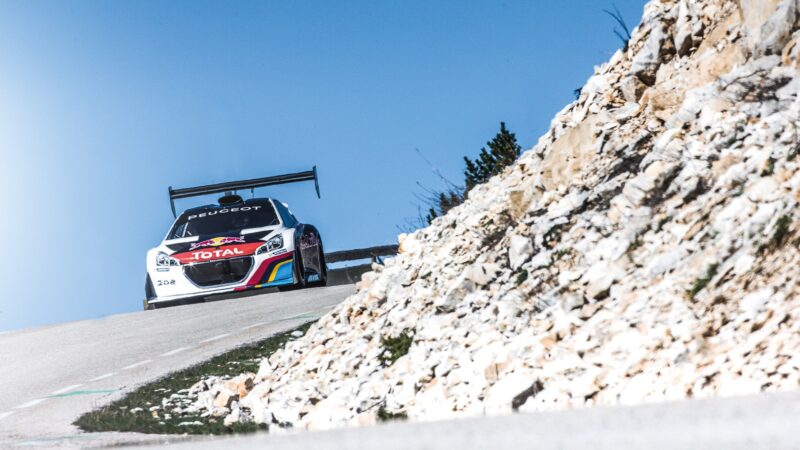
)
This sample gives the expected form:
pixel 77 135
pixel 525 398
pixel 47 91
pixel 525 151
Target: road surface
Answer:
pixel 51 375
pixel 767 421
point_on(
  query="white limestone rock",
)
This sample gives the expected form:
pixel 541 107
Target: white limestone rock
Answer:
pixel 635 254
pixel 520 250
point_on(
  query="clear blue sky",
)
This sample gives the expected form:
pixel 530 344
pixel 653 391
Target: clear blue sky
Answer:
pixel 105 104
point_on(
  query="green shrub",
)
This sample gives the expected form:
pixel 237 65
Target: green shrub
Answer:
pixel 522 275
pixel 769 168
pixel 664 220
pixel 395 347
pixel 702 282
pixel 386 416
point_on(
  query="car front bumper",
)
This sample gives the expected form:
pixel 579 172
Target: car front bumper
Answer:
pixel 177 283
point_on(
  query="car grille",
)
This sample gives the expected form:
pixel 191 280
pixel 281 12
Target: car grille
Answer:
pixel 219 272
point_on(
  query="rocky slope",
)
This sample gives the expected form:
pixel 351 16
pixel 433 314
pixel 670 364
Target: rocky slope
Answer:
pixel 646 249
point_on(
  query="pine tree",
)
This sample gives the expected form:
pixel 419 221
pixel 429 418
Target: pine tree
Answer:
pixel 503 151
pixel 471 174
pixel 431 215
pixel 444 202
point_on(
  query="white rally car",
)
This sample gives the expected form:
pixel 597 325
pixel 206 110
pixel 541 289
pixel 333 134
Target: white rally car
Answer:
pixel 234 245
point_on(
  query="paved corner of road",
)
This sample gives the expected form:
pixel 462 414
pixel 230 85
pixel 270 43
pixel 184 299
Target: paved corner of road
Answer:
pixel 54 374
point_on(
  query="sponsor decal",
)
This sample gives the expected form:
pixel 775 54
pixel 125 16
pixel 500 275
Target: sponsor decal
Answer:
pixel 204 255
pixel 216 253
pixel 223 211
pixel 217 241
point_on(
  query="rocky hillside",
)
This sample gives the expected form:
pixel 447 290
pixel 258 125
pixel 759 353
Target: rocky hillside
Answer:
pixel 646 249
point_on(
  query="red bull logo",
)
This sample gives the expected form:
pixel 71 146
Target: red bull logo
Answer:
pixel 217 241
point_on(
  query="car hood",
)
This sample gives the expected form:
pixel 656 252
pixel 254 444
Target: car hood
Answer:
pixel 214 247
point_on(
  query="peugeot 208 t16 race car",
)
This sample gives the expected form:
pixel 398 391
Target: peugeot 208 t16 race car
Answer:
pixel 233 246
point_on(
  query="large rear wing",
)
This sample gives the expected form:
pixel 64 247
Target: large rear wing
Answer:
pixel 232 186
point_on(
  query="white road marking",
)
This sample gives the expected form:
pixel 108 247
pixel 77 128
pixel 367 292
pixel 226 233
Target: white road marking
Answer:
pixel 176 351
pixel 215 338
pixel 299 315
pixel 104 376
pixel 3 415
pixel 67 389
pixel 140 363
pixel 31 403
pixel 254 325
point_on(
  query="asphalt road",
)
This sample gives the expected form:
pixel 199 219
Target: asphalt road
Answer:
pixel 766 421
pixel 51 375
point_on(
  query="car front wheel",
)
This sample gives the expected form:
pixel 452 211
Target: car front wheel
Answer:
pixel 323 275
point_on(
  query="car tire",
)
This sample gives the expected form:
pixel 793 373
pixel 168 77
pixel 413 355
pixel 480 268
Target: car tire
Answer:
pixel 299 271
pixel 323 277
pixel 149 293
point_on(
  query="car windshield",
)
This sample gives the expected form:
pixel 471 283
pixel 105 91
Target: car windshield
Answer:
pixel 224 220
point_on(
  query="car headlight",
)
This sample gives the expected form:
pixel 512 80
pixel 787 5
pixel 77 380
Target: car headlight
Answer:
pixel 163 259
pixel 273 244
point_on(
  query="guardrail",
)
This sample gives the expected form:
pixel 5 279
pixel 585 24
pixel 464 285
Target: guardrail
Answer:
pixel 373 253
pixel 350 275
